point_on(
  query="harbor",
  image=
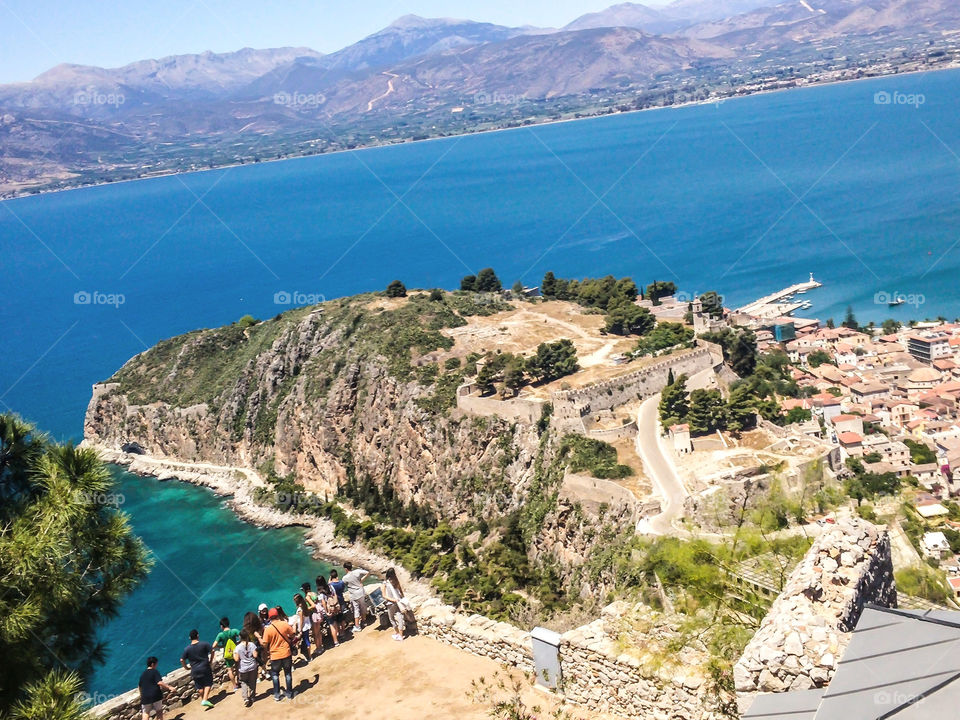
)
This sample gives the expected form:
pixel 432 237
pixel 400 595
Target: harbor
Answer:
pixel 782 303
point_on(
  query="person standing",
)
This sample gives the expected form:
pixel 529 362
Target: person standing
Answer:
pixel 246 656
pixel 254 627
pixel 302 625
pixel 393 595
pixel 151 691
pixel 198 657
pixel 227 639
pixel 332 608
pixel 336 584
pixel 357 594
pixel 278 637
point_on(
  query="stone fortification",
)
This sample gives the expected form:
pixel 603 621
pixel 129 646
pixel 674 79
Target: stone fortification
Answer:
pixel 808 627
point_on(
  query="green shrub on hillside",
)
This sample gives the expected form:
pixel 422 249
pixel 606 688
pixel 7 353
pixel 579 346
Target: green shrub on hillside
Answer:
pixel 593 456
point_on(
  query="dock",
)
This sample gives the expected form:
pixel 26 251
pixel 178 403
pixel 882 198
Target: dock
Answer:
pixel 781 303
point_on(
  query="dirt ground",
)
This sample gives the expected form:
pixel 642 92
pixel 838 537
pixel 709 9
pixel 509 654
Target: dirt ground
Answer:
pixel 521 330
pixel 374 676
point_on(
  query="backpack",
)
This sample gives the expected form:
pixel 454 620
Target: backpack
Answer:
pixel 228 649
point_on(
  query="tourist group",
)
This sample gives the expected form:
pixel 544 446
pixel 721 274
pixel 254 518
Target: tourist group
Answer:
pixel 270 639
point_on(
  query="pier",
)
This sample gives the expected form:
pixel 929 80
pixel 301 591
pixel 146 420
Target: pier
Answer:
pixel 780 303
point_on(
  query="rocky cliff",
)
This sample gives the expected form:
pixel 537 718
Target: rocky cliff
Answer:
pixel 360 388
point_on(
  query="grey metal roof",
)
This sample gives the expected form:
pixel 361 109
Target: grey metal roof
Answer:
pixel 895 660
pixel 796 705
pixel 902 664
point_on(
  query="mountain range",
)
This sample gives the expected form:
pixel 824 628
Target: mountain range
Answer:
pixel 77 124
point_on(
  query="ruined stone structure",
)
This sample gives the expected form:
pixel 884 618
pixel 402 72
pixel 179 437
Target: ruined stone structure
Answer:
pixel 571 406
pixel 809 625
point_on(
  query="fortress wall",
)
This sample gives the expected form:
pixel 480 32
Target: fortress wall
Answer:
pixel 520 409
pixel 627 430
pixel 637 385
pixel 801 639
pixel 594 672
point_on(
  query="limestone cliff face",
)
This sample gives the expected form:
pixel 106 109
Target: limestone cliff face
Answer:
pixel 308 398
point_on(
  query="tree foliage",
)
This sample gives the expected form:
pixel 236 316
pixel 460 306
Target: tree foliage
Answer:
pixel 673 406
pixel 708 411
pixel 818 358
pixel 67 559
pixel 627 318
pixel 553 360
pixel 739 348
pixel 660 289
pixel 665 336
pixel 396 289
pixel 487 281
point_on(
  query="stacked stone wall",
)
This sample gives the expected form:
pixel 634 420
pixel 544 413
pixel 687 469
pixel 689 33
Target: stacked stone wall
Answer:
pixel 802 638
pixel 127 705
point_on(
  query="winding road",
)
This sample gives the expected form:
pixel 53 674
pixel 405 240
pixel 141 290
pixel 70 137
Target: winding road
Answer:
pixel 658 462
pixel 659 468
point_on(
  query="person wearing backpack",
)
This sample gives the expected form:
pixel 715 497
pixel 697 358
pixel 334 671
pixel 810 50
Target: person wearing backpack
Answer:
pixel 227 639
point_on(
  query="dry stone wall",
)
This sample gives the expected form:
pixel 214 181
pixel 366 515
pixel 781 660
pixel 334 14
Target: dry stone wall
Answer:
pixel 802 638
pixel 127 706
pixel 595 673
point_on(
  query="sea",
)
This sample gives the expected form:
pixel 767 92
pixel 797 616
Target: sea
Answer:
pixel 856 183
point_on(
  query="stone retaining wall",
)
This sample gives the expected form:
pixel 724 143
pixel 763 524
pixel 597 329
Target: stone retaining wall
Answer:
pixel 808 627
pixel 127 705
pixel 594 673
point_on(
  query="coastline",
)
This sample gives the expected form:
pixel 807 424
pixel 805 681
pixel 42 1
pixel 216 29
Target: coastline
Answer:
pixel 238 485
pixel 732 96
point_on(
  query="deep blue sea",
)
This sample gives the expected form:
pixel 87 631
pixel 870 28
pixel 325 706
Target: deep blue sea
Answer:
pixel 745 197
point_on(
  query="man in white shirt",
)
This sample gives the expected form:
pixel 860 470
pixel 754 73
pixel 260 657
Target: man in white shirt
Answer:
pixel 357 594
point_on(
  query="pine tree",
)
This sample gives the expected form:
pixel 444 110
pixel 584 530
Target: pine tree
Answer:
pixel 67 559
pixel 673 406
pixel 708 411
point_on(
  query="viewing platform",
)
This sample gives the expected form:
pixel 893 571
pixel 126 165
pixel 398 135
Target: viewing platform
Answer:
pixel 782 302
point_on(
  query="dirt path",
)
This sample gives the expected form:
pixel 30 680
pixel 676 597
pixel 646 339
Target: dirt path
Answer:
pixel 372 677
pixel 388 92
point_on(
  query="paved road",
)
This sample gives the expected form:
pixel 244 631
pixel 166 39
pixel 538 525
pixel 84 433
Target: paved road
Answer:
pixel 659 468
pixel 658 462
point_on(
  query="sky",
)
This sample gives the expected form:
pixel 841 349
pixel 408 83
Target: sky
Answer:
pixel 36 35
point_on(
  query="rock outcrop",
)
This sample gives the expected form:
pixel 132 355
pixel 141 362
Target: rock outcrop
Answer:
pixel 808 627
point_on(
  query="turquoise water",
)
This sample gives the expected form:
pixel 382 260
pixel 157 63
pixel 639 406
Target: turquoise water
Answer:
pixel 743 197
pixel 208 564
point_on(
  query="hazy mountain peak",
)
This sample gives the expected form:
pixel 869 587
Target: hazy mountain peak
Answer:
pixel 409 22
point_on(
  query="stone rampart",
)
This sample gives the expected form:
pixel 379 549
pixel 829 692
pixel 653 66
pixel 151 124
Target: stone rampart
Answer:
pixel 594 672
pixel 803 636
pixel 569 405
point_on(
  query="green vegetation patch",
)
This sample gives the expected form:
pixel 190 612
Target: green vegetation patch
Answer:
pixel 593 456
